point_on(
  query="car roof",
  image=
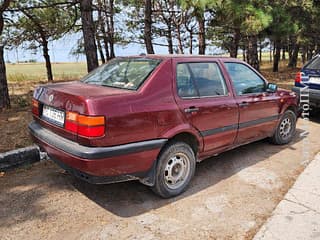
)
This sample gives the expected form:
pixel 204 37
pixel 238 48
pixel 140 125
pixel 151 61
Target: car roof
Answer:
pixel 181 56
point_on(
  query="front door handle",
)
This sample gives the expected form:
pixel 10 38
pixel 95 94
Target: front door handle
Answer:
pixel 191 109
pixel 243 104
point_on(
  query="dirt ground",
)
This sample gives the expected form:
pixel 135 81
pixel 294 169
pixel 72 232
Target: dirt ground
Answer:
pixel 230 197
pixel 14 123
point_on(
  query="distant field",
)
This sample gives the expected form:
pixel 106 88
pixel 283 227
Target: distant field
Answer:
pixel 37 71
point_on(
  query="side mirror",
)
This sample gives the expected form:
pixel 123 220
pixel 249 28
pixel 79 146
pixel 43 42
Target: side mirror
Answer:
pixel 272 87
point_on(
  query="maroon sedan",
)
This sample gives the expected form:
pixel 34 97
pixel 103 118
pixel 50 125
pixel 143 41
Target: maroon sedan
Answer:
pixel 153 117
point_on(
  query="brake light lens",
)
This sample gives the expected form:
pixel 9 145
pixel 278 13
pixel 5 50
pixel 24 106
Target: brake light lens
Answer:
pixel 298 77
pixel 86 126
pixel 71 123
pixel 35 107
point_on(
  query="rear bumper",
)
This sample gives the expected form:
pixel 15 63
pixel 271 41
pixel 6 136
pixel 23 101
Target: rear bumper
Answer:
pixel 99 164
pixel 312 94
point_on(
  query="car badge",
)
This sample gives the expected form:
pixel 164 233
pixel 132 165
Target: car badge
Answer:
pixel 51 98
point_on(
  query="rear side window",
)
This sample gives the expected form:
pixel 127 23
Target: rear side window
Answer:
pixel 126 73
pixel 244 79
pixel 314 64
pixel 200 80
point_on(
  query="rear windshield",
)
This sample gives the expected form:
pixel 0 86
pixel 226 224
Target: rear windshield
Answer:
pixel 314 64
pixel 126 73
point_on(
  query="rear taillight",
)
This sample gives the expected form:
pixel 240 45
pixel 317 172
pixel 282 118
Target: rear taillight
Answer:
pixel 86 126
pixel 35 107
pixel 298 77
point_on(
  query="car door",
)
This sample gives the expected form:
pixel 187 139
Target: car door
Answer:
pixel 258 109
pixel 205 99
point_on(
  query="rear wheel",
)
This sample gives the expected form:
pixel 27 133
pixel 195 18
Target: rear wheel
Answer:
pixel 175 169
pixel 286 128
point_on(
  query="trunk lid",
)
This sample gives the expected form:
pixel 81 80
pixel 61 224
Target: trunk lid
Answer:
pixel 74 96
pixel 56 100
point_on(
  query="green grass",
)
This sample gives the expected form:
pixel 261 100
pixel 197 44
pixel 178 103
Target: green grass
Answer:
pixel 36 72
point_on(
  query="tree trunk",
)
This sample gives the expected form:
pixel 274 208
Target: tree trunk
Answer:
pixel 317 49
pixel 284 53
pixel 46 56
pixel 290 49
pixel 103 60
pixel 273 48
pixel 277 55
pixel 235 43
pixel 90 46
pixel 244 52
pixel 260 51
pixel 304 55
pixel 201 36
pixel 101 31
pixel 148 26
pixel 111 29
pixel 106 46
pixel 4 92
pixel 294 58
pixel 180 46
pixel 169 40
pixel 309 54
pixel 191 43
pixel 252 54
pixel 102 21
pixel 270 52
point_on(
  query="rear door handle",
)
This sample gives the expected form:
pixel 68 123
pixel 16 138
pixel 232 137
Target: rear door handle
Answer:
pixel 191 109
pixel 243 104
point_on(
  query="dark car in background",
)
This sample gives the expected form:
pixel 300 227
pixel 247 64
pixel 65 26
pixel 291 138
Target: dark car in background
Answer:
pixel 151 118
pixel 308 81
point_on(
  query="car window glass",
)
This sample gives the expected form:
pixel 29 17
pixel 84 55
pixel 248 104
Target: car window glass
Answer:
pixel 314 64
pixel 185 83
pixel 205 77
pixel 126 73
pixel 244 79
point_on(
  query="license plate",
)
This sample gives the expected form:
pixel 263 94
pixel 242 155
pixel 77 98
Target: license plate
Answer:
pixel 315 80
pixel 53 115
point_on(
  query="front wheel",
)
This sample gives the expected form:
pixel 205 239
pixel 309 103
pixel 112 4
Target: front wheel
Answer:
pixel 175 169
pixel 286 128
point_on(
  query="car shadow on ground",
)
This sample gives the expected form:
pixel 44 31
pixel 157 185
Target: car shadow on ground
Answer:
pixel 129 199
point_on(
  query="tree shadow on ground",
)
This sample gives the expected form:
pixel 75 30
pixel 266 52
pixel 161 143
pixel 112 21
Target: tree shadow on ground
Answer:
pixel 21 194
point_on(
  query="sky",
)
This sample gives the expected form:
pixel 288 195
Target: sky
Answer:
pixel 60 51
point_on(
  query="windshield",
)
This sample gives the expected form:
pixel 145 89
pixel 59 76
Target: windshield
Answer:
pixel 126 73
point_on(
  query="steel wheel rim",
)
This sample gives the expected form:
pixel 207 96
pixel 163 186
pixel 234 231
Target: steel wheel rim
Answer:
pixel 285 128
pixel 176 171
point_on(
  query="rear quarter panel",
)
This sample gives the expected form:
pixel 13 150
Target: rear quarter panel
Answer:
pixel 150 113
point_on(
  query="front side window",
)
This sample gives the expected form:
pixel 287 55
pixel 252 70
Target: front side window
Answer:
pixel 126 73
pixel 200 80
pixel 244 79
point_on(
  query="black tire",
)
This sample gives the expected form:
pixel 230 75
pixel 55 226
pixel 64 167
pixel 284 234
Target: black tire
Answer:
pixel 175 168
pixel 286 128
